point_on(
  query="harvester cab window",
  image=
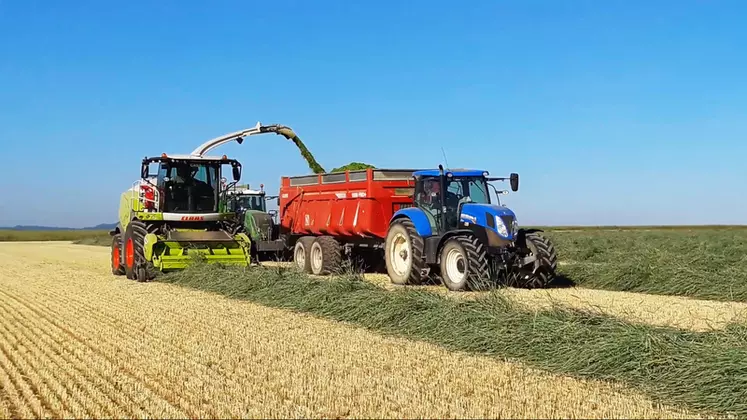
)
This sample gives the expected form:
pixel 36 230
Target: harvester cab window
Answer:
pixel 189 186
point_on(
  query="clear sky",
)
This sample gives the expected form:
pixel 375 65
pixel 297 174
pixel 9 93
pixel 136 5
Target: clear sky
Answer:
pixel 613 112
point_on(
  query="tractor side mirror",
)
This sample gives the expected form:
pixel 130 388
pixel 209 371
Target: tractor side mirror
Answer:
pixel 144 171
pixel 236 173
pixel 514 180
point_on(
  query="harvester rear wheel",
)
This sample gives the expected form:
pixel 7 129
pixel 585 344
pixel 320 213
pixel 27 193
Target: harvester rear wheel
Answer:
pixel 136 266
pixel 325 255
pixel 403 253
pixel 464 264
pixel 118 268
pixel 301 252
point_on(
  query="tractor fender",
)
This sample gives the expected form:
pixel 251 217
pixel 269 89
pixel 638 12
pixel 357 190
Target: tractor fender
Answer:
pixel 417 217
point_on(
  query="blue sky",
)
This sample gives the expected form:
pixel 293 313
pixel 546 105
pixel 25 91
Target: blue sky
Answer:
pixel 613 112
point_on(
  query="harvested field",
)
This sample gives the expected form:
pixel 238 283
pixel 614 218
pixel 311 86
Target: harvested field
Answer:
pixel 80 342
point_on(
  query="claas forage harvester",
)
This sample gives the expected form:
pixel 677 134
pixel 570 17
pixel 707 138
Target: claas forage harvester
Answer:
pixel 418 222
pixel 177 210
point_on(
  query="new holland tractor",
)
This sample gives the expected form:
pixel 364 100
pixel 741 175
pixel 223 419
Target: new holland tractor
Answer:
pixel 175 213
pixel 453 229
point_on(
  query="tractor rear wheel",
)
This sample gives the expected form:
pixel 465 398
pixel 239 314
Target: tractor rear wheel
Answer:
pixel 325 255
pixel 403 253
pixel 542 271
pixel 136 266
pixel 301 252
pixel 118 268
pixel 464 264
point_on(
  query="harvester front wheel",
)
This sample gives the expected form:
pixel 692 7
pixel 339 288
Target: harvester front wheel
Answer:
pixel 403 253
pixel 136 266
pixel 118 268
pixel 326 255
pixel 301 253
pixel 464 264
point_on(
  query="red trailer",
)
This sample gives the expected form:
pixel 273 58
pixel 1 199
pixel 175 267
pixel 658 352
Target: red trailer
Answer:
pixel 324 215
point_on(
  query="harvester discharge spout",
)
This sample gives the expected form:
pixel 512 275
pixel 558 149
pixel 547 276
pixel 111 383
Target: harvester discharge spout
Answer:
pixel 238 136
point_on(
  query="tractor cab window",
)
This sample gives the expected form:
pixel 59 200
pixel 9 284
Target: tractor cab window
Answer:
pixel 189 186
pixel 250 202
pixel 428 198
pixel 461 190
pixel 468 189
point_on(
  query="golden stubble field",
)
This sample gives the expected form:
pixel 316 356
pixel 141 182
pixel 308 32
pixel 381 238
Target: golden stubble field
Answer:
pixel 76 341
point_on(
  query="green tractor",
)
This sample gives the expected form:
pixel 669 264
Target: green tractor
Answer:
pixel 176 211
pixel 260 224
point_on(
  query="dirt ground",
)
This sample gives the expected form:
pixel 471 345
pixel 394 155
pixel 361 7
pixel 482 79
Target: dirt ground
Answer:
pixel 76 341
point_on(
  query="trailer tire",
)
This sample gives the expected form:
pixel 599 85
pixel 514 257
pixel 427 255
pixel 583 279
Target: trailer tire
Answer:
pixel 118 268
pixel 411 270
pixel 545 267
pixel 325 256
pixel 136 266
pixel 464 264
pixel 301 252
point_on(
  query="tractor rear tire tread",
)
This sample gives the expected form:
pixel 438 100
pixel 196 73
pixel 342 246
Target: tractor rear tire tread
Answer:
pixel 418 265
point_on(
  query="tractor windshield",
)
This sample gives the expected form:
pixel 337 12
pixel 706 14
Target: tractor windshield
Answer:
pixel 249 202
pixel 189 186
pixel 472 189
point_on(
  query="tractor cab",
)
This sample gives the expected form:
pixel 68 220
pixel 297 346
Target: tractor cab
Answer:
pixel 451 198
pixel 185 184
pixel 244 198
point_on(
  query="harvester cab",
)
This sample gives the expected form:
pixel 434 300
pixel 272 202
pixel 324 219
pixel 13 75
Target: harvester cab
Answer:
pixel 465 236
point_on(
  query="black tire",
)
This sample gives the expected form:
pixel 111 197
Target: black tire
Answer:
pixel 301 252
pixel 140 269
pixel 412 270
pixel 464 264
pixel 544 270
pixel 325 256
pixel 118 268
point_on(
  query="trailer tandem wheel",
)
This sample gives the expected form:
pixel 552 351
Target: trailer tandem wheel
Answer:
pixel 301 252
pixel 326 256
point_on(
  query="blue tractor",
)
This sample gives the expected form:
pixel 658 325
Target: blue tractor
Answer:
pixel 454 231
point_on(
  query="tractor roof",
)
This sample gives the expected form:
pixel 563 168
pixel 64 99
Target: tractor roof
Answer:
pixel 246 191
pixel 453 172
pixel 190 158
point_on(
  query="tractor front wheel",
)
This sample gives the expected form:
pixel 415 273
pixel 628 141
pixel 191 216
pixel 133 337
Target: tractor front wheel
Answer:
pixel 118 268
pixel 136 266
pixel 464 264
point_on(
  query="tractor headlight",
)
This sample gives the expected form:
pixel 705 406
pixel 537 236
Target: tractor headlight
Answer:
pixel 515 227
pixel 501 227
